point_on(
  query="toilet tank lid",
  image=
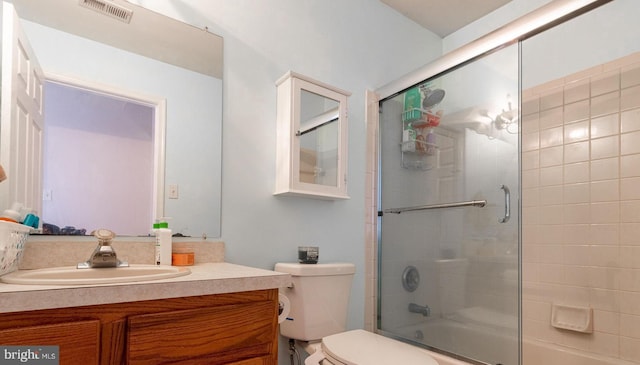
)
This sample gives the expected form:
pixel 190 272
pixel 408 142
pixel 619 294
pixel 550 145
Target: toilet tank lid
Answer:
pixel 296 269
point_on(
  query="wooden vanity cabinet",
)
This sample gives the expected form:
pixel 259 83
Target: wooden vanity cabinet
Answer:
pixel 79 339
pixel 237 328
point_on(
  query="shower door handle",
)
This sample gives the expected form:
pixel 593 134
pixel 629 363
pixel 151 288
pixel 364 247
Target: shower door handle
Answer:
pixel 507 204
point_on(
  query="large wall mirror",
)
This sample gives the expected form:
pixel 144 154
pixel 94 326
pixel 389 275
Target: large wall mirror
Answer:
pixel 132 122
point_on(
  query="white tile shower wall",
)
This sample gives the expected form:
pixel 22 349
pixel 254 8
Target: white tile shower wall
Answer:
pixel 581 207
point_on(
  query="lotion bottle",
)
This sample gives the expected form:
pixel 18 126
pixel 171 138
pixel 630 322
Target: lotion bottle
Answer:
pixel 156 228
pixel 163 244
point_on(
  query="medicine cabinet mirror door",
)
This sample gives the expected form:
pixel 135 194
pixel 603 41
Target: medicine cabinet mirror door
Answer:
pixel 312 122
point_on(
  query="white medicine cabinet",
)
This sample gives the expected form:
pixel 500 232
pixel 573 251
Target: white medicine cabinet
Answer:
pixel 311 138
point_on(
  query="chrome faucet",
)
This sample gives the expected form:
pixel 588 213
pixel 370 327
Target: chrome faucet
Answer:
pixel 424 310
pixel 104 255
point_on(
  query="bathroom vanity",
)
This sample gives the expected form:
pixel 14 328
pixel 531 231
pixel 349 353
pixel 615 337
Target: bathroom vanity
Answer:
pixel 219 314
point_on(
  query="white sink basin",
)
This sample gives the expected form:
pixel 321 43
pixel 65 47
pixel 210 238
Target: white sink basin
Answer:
pixel 72 276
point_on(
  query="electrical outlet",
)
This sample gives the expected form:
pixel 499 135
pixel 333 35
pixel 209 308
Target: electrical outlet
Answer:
pixel 173 191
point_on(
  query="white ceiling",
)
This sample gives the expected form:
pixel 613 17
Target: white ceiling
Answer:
pixel 444 17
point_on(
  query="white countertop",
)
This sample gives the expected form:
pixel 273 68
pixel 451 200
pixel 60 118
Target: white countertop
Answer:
pixel 205 279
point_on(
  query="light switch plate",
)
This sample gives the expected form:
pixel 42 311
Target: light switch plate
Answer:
pixel 173 191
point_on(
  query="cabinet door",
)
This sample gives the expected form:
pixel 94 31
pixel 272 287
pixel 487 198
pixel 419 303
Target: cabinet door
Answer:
pixel 238 333
pixel 79 341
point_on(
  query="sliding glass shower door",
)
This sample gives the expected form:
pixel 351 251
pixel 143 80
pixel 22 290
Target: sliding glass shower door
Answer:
pixel 449 216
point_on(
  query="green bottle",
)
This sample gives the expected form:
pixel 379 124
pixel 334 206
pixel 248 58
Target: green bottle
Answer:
pixel 412 104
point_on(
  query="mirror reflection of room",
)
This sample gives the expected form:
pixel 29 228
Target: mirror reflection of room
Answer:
pixel 318 139
pixel 113 56
pixel 93 144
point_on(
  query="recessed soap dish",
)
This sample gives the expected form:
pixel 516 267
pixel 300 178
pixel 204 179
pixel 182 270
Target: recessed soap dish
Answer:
pixel 573 318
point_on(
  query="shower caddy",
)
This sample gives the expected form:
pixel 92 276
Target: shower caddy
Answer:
pixel 418 146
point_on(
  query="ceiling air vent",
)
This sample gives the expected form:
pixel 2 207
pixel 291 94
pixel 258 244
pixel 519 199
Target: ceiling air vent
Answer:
pixel 109 8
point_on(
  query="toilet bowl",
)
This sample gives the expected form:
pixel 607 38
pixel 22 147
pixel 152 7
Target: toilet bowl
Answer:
pixel 319 298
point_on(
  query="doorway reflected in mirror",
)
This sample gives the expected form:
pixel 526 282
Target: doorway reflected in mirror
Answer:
pixel 99 158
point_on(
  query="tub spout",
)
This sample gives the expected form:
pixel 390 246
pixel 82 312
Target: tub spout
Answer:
pixel 424 310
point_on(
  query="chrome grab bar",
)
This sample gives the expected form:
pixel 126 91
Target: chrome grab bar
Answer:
pixel 507 204
pixel 471 203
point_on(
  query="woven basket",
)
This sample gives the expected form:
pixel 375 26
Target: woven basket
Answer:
pixel 12 239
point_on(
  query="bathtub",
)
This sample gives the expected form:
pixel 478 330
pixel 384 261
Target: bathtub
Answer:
pixel 538 352
pixel 492 345
pixel 444 359
pixel 489 344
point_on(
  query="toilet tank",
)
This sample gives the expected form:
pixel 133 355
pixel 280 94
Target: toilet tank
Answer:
pixel 319 299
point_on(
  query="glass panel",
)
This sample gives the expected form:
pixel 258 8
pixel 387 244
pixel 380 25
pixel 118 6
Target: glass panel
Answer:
pixel 449 275
pixel 319 138
pixel 581 95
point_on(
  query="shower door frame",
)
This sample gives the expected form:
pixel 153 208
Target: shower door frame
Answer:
pixel 547 16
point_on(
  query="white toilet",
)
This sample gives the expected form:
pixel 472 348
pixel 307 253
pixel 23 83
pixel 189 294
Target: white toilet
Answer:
pixel 319 299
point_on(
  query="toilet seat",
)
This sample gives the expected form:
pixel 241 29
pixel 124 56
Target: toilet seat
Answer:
pixel 360 347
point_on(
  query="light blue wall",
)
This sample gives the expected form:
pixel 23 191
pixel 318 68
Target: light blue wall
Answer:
pixel 354 45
